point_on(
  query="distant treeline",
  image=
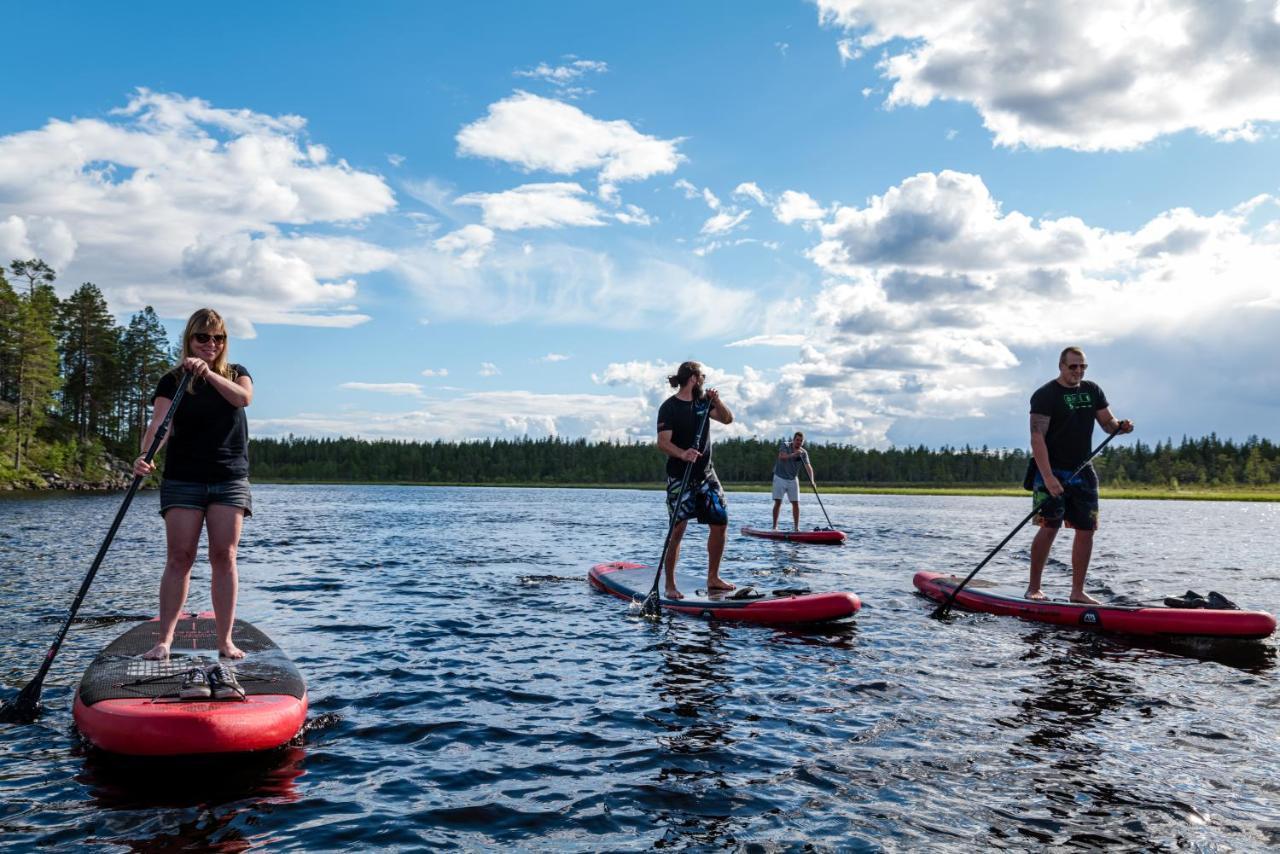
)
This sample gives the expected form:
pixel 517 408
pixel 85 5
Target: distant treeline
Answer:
pixel 1209 461
pixel 67 365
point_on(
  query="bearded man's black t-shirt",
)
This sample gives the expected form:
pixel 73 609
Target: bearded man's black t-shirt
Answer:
pixel 1072 413
pixel 682 418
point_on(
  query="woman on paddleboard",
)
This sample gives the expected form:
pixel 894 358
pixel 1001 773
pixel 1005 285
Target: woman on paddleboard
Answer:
pixel 206 474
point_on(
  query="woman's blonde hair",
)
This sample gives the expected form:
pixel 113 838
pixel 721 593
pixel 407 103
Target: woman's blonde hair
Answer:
pixel 209 321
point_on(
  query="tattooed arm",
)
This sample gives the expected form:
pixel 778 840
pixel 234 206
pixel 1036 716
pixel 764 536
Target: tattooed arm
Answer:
pixel 1040 451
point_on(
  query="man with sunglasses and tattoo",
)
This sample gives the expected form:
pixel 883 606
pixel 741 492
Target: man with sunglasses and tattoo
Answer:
pixel 1063 412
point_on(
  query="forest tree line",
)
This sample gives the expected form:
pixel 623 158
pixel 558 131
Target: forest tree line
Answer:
pixel 67 364
pixel 71 375
pixel 1209 461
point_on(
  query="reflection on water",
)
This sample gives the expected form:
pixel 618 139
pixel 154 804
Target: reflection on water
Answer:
pixel 470 691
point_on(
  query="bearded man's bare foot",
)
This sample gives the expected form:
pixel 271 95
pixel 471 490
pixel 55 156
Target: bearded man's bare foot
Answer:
pixel 672 593
pixel 230 651
pixel 1036 595
pixel 718 584
pixel 159 652
pixel 1084 599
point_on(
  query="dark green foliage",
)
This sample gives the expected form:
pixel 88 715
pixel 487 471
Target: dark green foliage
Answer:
pixel 143 358
pixel 89 344
pixel 36 355
pixel 69 359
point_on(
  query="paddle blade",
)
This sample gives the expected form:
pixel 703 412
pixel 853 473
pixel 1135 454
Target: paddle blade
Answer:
pixel 651 607
pixel 24 708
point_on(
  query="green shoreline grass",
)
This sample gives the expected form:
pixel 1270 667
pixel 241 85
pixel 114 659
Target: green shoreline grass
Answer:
pixel 1129 491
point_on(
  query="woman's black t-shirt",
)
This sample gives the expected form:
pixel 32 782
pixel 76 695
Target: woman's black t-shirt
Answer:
pixel 208 438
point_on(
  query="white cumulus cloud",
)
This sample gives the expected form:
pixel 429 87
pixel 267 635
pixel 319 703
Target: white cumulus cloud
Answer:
pixel 1087 76
pixel 793 206
pixel 543 134
pixel 177 203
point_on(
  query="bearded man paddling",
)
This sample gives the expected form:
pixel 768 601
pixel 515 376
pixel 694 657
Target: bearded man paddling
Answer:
pixel 703 497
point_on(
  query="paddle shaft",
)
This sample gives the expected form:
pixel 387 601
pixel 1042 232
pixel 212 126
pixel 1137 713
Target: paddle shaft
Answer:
pixel 942 609
pixel 651 604
pixel 819 497
pixel 30 695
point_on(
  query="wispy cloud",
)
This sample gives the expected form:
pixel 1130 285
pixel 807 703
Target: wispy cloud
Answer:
pixel 567 76
pixel 396 389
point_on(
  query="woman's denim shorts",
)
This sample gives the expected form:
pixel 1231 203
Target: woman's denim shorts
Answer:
pixel 198 496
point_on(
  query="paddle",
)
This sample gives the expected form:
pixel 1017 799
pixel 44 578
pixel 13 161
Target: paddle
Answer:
pixel 652 606
pixel 819 497
pixel 941 610
pixel 26 706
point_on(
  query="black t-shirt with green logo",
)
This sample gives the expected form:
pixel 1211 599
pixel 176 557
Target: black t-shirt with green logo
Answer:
pixel 1072 413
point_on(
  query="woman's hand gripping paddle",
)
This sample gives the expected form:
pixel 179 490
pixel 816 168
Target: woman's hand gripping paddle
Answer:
pixel 941 610
pixel 652 605
pixel 26 706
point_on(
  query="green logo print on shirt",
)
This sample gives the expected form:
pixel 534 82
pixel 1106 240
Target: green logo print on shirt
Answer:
pixel 1079 400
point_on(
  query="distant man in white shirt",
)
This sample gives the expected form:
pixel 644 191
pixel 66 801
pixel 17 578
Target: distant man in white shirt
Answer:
pixel 786 477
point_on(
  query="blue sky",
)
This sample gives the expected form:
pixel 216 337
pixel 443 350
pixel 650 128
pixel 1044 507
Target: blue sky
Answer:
pixel 878 222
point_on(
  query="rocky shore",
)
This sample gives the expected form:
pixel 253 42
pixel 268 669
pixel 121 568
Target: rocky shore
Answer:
pixel 108 473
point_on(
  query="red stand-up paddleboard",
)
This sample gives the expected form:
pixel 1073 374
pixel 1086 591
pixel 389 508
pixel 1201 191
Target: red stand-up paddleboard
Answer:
pixel 824 536
pixel 1124 619
pixel 633 581
pixel 130 706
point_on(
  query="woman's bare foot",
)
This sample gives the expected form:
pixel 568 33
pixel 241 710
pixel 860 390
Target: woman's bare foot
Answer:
pixel 1084 599
pixel 718 584
pixel 1036 595
pixel 672 593
pixel 230 650
pixel 159 652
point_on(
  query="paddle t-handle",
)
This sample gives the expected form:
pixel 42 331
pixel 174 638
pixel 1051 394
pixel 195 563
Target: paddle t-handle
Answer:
pixel 26 706
pixel 941 610
pixel 652 605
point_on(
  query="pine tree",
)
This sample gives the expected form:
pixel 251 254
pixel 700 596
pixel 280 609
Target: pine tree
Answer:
pixel 37 355
pixel 144 357
pixel 9 336
pixel 88 341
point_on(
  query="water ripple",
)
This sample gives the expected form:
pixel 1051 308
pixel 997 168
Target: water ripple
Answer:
pixel 469 689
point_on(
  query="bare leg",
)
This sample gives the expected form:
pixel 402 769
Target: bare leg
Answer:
pixel 777 505
pixel 223 523
pixel 795 514
pixel 1039 556
pixel 1081 551
pixel 673 555
pixel 182 535
pixel 715 550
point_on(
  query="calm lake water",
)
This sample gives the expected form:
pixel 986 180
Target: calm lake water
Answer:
pixel 469 689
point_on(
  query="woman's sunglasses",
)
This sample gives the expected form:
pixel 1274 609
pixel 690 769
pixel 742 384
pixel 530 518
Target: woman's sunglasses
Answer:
pixel 205 337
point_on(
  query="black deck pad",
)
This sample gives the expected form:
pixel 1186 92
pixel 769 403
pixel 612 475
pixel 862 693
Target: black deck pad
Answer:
pixel 120 673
